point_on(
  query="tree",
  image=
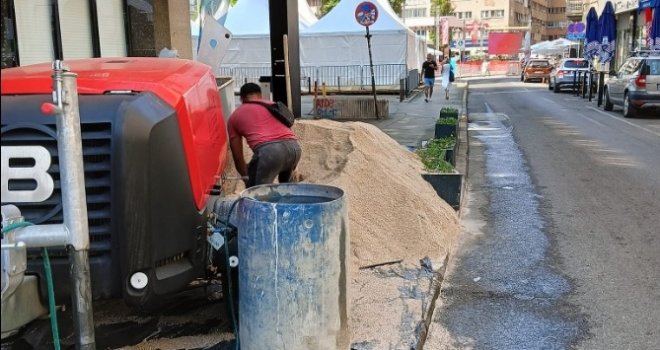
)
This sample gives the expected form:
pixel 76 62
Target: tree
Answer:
pixel 327 6
pixel 441 7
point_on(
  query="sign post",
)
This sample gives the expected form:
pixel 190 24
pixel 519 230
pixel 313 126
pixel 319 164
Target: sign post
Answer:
pixel 366 14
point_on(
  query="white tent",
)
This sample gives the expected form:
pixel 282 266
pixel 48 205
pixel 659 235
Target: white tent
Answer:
pixel 249 24
pixel 338 40
pixel 557 46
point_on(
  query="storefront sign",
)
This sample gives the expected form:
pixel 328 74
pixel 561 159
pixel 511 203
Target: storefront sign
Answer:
pixel 625 5
pixel 643 4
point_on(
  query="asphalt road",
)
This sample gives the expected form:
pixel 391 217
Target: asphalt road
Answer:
pixel 562 228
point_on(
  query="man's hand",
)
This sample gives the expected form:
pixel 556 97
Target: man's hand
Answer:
pixel 236 144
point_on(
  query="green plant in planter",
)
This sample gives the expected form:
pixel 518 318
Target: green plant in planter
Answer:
pixel 434 154
pixel 449 112
pixel 446 121
pixel 440 173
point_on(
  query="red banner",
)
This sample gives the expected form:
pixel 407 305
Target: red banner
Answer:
pixel 504 43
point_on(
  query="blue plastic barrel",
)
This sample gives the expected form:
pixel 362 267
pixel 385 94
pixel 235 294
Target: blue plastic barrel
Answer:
pixel 293 248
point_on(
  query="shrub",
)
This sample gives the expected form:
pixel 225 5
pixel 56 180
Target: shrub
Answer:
pixel 449 112
pixel 446 121
pixel 433 155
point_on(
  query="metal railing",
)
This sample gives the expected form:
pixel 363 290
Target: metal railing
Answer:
pixel 348 78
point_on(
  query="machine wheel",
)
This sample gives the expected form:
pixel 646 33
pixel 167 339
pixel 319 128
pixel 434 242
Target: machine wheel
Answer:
pixel 555 88
pixel 608 104
pixel 629 110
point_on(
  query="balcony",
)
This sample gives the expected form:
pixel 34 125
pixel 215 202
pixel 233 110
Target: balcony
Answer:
pixel 575 9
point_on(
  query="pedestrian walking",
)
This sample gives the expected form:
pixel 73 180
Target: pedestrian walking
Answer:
pixel 428 68
pixel 275 146
pixel 447 77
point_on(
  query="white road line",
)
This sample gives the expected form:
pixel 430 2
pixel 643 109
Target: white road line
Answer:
pixel 625 121
pixel 499 92
pixel 592 120
pixel 549 100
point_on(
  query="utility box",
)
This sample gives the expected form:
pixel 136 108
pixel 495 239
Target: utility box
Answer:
pixel 265 84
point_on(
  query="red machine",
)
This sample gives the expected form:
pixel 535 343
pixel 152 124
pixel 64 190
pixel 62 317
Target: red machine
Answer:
pixel 154 146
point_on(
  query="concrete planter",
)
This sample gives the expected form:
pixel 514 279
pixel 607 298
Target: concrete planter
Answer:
pixel 446 114
pixel 445 130
pixel 447 186
pixel 450 155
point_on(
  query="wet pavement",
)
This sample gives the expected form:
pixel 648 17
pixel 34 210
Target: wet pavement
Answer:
pixel 501 290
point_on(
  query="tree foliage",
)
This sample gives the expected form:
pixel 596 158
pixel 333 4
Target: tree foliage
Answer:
pixel 441 7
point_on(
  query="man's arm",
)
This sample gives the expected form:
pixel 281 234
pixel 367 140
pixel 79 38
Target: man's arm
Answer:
pixel 236 144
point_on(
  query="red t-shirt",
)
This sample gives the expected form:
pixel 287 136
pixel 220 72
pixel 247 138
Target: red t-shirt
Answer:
pixel 257 125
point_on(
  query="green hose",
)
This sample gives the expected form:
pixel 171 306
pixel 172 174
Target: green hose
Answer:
pixel 14 226
pixel 51 300
pixel 49 283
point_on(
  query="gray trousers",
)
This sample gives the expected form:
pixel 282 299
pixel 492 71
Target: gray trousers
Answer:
pixel 273 159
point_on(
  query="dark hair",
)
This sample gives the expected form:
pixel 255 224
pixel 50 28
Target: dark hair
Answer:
pixel 249 88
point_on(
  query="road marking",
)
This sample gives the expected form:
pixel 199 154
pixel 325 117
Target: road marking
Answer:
pixel 625 121
pixel 500 92
pixel 592 120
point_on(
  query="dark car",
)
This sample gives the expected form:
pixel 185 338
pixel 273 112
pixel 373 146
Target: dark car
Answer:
pixel 636 86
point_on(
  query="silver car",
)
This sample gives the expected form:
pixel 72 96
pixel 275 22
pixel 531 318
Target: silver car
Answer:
pixel 636 86
pixel 562 75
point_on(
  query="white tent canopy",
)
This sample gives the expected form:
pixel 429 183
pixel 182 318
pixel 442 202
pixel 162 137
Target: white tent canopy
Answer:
pixel 338 40
pixel 249 24
pixel 557 46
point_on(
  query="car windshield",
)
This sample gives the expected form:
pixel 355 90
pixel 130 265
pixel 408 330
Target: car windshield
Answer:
pixel 576 64
pixel 537 64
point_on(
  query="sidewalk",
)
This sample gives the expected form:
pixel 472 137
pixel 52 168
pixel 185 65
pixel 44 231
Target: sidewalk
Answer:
pixel 412 120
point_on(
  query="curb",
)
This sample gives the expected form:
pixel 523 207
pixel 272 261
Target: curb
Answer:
pixel 463 153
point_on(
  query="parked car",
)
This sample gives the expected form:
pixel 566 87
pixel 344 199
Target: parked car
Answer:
pixel 562 75
pixel 536 69
pixel 636 86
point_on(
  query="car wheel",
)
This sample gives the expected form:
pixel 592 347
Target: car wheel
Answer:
pixel 522 78
pixel 549 84
pixel 555 88
pixel 629 110
pixel 608 104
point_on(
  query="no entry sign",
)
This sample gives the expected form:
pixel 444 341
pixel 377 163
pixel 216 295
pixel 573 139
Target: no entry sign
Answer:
pixel 366 13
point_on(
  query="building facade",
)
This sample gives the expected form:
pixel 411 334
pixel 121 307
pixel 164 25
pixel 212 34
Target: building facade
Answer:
pixel 548 19
pixel 37 31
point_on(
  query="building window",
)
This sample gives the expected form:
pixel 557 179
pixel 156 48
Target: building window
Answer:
pixel 141 28
pixel 415 12
pixel 492 14
pixel 9 44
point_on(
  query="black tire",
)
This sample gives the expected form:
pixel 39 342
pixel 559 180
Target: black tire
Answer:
pixel 556 88
pixel 629 111
pixel 608 106
pixel 522 78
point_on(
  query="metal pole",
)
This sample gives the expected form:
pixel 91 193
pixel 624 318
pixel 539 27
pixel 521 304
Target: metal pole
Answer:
pixel 601 78
pixel 74 203
pixel 373 79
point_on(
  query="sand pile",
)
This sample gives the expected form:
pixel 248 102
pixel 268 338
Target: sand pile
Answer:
pixel 393 212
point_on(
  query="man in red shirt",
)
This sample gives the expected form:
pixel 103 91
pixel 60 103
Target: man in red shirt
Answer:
pixel 275 146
